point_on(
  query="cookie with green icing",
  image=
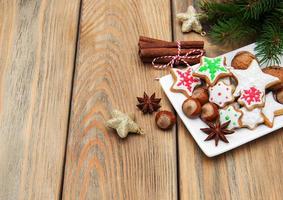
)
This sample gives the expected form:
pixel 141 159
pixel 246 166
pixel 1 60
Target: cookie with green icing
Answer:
pixel 212 69
pixel 230 113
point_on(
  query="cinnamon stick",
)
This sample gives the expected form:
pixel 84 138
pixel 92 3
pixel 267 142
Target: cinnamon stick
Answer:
pixel 149 40
pixel 150 48
pixel 157 52
pixel 167 60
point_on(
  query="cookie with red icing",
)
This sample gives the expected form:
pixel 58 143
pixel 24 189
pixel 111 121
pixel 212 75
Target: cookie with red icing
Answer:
pixel 252 97
pixel 251 85
pixel 184 81
pixel 221 94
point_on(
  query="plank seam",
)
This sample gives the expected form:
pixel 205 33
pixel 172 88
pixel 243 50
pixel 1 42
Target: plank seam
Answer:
pixel 71 96
pixel 176 130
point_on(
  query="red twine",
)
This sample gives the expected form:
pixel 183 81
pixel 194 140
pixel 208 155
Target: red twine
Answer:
pixel 178 58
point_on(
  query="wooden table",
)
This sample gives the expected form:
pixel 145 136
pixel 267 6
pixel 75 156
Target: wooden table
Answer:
pixel 64 65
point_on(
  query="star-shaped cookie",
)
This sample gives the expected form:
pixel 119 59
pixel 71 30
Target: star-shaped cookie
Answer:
pixel 271 109
pixel 211 69
pixel 230 113
pixel 123 124
pixel 184 81
pixel 251 119
pixel 252 97
pixel 190 20
pixel 253 77
pixel 221 94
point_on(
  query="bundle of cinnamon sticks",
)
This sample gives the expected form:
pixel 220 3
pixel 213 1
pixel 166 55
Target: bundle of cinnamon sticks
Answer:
pixel 150 49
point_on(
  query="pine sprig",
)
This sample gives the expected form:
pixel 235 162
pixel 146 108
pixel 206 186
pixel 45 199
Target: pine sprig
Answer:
pixel 232 31
pixel 214 11
pixel 253 9
pixel 237 21
pixel 270 44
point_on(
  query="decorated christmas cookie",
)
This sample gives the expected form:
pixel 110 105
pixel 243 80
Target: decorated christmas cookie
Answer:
pixel 221 94
pixel 230 114
pixel 212 69
pixel 184 81
pixel 251 97
pixel 251 119
pixel 253 77
pixel 271 109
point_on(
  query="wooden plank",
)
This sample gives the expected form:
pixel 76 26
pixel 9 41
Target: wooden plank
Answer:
pixel 109 75
pixel 253 171
pixel 37 47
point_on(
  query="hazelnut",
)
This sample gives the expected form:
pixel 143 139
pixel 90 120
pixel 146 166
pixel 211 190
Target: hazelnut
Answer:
pixel 209 112
pixel 165 120
pixel 279 96
pixel 276 71
pixel 242 60
pixel 201 94
pixel 191 107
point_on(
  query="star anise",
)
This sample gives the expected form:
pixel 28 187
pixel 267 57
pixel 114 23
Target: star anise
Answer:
pixel 217 131
pixel 148 104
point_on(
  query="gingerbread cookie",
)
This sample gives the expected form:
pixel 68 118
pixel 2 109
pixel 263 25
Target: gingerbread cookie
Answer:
pixel 251 98
pixel 184 81
pixel 212 69
pixel 230 113
pixel 251 119
pixel 221 94
pixel 271 109
pixel 252 77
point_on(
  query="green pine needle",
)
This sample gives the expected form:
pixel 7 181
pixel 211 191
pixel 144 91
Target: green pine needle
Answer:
pixel 270 44
pixel 214 10
pixel 232 31
pixel 239 21
pixel 253 9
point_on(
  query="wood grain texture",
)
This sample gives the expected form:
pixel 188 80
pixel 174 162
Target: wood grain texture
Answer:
pixel 253 171
pixel 37 46
pixel 109 75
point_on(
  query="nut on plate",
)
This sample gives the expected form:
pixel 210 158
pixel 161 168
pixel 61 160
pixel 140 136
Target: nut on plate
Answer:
pixel 276 71
pixel 279 96
pixel 165 120
pixel 201 94
pixel 242 60
pixel 209 112
pixel 191 108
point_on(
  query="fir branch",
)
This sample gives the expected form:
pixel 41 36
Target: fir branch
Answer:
pixel 213 10
pixel 270 44
pixel 232 31
pixel 253 9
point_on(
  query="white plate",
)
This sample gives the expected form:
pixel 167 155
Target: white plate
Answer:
pixel 241 136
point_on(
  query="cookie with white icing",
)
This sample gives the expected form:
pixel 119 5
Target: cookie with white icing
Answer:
pixel 271 109
pixel 230 113
pixel 212 69
pixel 251 118
pixel 221 94
pixel 184 81
pixel 252 97
pixel 252 77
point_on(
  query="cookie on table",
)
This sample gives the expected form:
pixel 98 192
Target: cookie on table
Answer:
pixel 252 77
pixel 276 71
pixel 251 118
pixel 221 94
pixel 252 97
pixel 212 69
pixel 271 109
pixel 184 81
pixel 251 80
pixel 230 113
